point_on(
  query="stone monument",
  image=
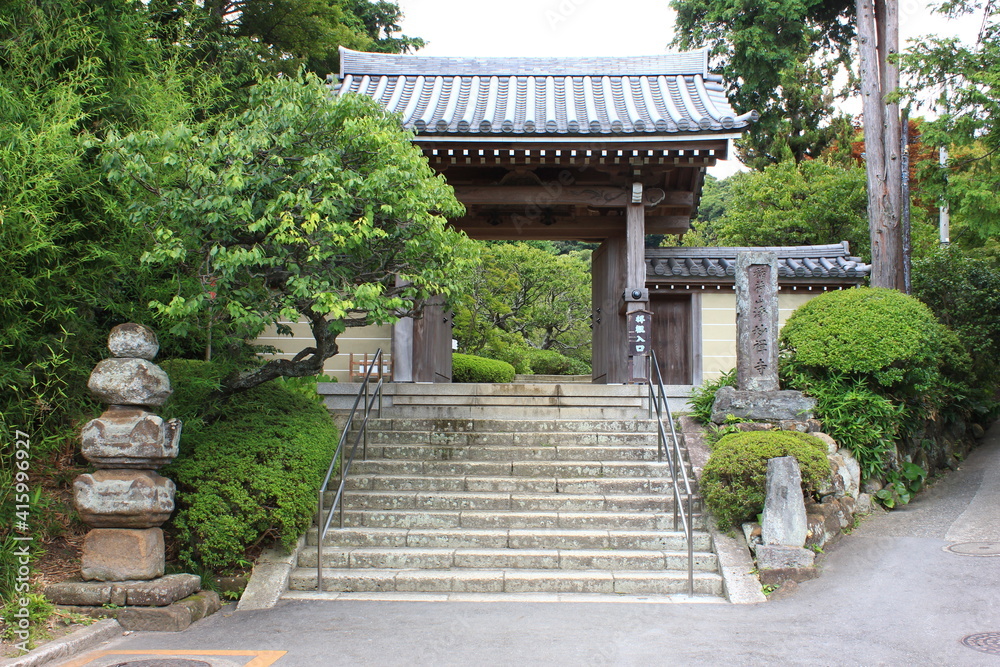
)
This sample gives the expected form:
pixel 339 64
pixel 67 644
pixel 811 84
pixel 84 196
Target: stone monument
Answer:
pixel 757 396
pixel 125 501
pixel 781 556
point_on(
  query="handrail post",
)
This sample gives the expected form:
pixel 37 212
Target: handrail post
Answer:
pixel 319 545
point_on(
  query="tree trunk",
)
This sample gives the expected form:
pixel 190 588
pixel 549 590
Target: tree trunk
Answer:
pixel 879 78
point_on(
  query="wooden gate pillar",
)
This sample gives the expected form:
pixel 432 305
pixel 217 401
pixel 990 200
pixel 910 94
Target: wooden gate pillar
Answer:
pixel 636 296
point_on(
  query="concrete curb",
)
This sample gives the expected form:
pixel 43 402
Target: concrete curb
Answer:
pixel 65 647
pixel 739 582
pixel 269 579
pixel 738 579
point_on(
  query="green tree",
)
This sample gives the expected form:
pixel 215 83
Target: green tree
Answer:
pixel 808 203
pixel 524 295
pixel 778 58
pixel 283 34
pixel 966 80
pixel 301 206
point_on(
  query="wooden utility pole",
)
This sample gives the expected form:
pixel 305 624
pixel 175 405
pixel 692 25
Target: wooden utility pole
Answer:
pixel 878 41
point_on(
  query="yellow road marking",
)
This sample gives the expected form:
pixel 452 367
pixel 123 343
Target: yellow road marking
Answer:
pixel 260 658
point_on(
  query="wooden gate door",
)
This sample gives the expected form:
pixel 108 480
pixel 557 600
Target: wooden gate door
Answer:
pixel 432 343
pixel 672 336
pixel 607 273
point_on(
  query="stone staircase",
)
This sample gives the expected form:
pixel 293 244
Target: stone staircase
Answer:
pixel 487 504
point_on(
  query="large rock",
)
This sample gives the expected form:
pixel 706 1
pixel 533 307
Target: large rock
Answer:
pixel 784 520
pixel 123 498
pixel 126 437
pixel 129 382
pixel 133 340
pixel 773 406
pixel 848 470
pixel 122 554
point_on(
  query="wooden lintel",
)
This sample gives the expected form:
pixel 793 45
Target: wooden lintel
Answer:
pixel 567 147
pixel 556 194
pixel 582 228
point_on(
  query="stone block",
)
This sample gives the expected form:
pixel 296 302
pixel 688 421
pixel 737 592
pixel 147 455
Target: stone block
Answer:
pixel 123 498
pixel 784 521
pixel 83 593
pixel 122 554
pixel 161 591
pixel 782 576
pixel 173 618
pixel 129 382
pixel 133 340
pixel 816 535
pixel 772 406
pixel 127 437
pixel 849 471
pixel 201 604
pixel 777 557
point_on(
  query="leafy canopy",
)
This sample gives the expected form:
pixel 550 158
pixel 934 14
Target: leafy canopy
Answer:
pixel 302 205
pixel 966 82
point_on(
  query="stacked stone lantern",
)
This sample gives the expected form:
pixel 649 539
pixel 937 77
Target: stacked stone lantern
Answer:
pixel 125 500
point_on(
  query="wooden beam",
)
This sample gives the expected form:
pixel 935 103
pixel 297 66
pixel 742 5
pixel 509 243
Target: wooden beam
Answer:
pixel 581 228
pixel 555 194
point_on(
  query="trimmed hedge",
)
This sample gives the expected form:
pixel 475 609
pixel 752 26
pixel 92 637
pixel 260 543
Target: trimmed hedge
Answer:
pixel 734 481
pixel 882 333
pixel 248 470
pixel 550 362
pixel 470 368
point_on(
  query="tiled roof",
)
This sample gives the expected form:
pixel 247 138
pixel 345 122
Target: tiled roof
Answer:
pixel 647 96
pixel 816 261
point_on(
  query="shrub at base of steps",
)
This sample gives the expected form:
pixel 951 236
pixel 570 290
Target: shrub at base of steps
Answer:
pixel 470 368
pixel 735 478
pixel 248 472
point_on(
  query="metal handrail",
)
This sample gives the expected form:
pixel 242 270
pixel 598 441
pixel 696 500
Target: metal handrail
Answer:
pixel 323 525
pixel 659 404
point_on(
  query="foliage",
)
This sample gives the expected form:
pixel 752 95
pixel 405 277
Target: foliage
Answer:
pixel 964 78
pixel 248 470
pixel 470 368
pixel 810 203
pixel 735 476
pixel 901 486
pixel 527 297
pixel 38 611
pixel 857 416
pixel 550 362
pixel 703 398
pixel 283 35
pixel 964 294
pixel 877 361
pixel 778 58
pixel 302 205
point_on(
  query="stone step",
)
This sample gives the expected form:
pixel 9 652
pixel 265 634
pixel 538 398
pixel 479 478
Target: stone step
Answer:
pixel 531 559
pixel 486 519
pixel 513 425
pixel 518 390
pixel 509 439
pixel 518 502
pixel 534 469
pixel 514 453
pixel 442 410
pixel 508 581
pixel 516 538
pixel 522 401
pixel 592 485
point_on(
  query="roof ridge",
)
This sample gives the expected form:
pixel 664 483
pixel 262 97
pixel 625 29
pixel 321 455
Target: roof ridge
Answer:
pixel 666 64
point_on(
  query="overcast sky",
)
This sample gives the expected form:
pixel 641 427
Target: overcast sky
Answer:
pixel 590 27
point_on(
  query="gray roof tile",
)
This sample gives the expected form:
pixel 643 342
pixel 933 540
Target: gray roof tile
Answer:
pixel 817 261
pixel 661 95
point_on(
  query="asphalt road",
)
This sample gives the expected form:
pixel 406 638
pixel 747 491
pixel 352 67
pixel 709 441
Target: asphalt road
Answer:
pixel 889 594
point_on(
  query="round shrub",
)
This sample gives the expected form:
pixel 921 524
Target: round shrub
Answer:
pixel 248 470
pixel 734 481
pixel 470 368
pixel 550 362
pixel 889 336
